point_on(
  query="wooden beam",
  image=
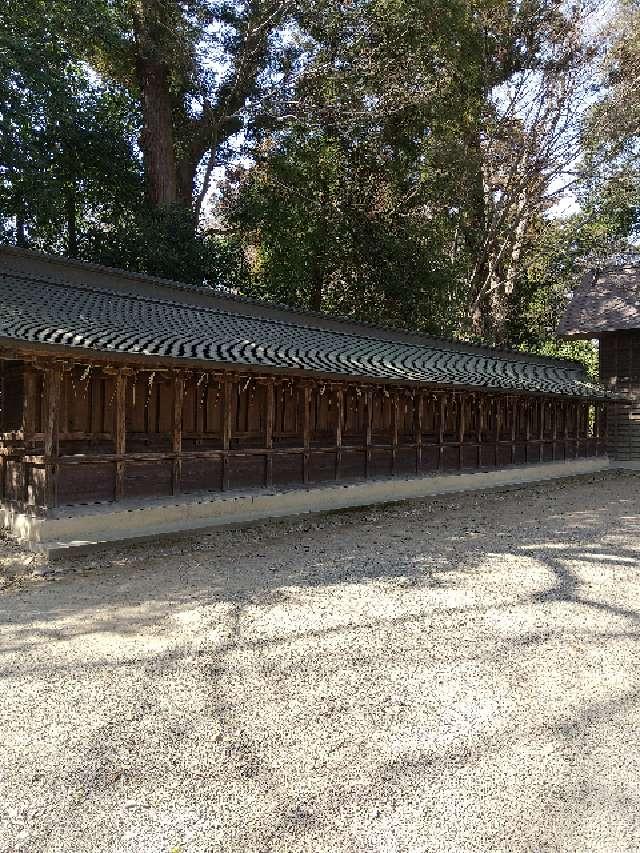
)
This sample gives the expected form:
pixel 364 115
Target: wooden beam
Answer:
pixel 30 401
pixel 120 431
pixel 227 415
pixel 395 417
pixel 270 418
pixel 460 407
pixel 176 433
pixel 368 432
pixel 419 416
pixel 306 431
pixel 479 413
pixel 339 425
pixel 441 418
pixel 52 383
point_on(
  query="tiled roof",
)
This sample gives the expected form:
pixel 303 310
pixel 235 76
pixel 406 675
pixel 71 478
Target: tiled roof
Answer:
pixel 606 301
pixel 43 310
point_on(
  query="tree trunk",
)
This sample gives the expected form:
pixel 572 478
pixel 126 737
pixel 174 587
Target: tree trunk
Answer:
pixel 21 234
pixel 317 281
pixel 72 224
pixel 156 139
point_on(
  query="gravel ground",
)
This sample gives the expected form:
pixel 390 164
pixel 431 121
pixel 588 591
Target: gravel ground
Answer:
pixel 452 675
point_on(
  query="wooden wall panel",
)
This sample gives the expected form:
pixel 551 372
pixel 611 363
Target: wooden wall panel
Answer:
pixel 405 461
pixel 322 466
pixel 469 457
pixel 147 479
pixel 520 456
pixel 450 459
pixel 381 463
pixel 246 472
pixel 487 456
pixel 287 469
pixel 430 458
pixel 352 465
pixel 201 475
pixel 503 455
pixel 86 483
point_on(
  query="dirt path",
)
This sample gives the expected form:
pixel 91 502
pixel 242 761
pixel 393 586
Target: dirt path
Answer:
pixel 457 675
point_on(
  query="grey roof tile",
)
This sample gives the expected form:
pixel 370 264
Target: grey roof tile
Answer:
pixel 606 300
pixel 92 318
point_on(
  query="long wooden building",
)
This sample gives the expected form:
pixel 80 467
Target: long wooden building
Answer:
pixel 118 388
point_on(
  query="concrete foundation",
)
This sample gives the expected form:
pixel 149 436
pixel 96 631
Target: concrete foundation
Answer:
pixel 86 526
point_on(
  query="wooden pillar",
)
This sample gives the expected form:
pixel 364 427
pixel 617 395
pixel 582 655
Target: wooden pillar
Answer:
pixel 480 413
pixel 200 404
pixel 176 433
pixel 419 415
pixel 566 430
pixel 120 432
pixel 554 427
pixel 461 402
pixel 441 417
pixel 227 414
pixel 395 416
pixel 29 403
pixel 339 423
pixel 368 432
pixel 52 384
pixel 271 408
pixel 514 411
pixel 306 432
pixel 527 421
pixel 542 404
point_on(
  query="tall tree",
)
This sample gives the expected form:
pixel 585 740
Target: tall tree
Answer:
pixel 194 67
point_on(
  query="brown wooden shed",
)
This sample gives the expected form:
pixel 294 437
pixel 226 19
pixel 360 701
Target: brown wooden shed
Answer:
pixel 118 388
pixel 606 307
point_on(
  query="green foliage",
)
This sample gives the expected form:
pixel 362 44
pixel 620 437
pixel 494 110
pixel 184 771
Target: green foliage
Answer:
pixel 164 243
pixel 322 225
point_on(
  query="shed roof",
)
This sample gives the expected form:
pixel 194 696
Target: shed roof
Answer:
pixel 48 302
pixel 606 300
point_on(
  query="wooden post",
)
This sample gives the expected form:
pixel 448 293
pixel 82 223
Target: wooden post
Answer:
pixel 527 420
pixel 441 417
pixel 395 416
pixel 554 426
pixel 269 431
pixel 419 415
pixel 306 431
pixel 176 433
pixel 227 414
pixel 461 402
pixel 541 410
pixel 368 433
pixel 120 432
pixel 479 433
pixel 566 429
pixel 340 421
pixel 29 403
pixel 53 378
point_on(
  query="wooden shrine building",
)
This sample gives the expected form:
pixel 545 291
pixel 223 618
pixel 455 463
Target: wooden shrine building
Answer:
pixel 606 306
pixel 119 389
